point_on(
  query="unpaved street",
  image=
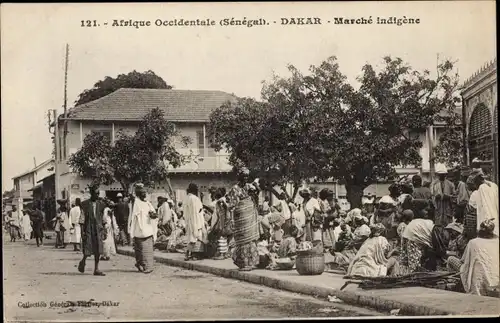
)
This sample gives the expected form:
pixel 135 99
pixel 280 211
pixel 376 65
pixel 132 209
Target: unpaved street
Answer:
pixel 44 275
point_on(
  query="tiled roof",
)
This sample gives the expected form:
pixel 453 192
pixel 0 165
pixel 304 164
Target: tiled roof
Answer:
pixel 35 169
pixel 133 104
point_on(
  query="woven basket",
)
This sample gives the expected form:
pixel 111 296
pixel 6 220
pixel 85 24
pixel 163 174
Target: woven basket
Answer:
pixel 310 264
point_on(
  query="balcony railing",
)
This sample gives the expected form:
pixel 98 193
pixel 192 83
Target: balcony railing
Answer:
pixel 218 163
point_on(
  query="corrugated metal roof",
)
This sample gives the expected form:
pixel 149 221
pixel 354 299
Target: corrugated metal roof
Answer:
pixel 133 104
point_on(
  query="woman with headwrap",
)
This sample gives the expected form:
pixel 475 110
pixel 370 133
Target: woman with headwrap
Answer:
pixel 371 259
pixel 416 237
pixel 387 215
pixel 480 262
pixel 241 202
pixel 310 207
pixel 348 244
pixel 435 255
pixel 329 213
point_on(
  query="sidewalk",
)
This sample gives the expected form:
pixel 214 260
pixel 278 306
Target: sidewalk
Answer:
pixel 417 301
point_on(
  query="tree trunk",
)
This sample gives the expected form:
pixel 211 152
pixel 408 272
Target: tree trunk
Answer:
pixel 295 190
pixel 354 194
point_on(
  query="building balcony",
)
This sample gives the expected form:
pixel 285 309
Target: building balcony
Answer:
pixel 205 164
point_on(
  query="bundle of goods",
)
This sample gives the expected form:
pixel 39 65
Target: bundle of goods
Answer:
pixel 310 260
pixel 441 280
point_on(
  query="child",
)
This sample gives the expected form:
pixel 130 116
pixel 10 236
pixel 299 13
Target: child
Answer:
pixel 287 248
pixel 262 249
pixel 345 237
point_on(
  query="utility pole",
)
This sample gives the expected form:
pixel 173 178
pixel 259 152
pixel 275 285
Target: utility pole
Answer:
pixel 57 155
pixel 65 105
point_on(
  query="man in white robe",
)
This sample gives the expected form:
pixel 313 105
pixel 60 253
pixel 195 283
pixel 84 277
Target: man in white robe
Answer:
pixel 143 230
pixel 192 210
pixel 75 231
pixel 485 199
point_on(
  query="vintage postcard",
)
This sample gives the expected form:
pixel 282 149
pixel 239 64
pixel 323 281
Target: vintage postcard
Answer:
pixel 249 160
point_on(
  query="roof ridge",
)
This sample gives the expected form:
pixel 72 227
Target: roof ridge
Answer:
pixel 172 90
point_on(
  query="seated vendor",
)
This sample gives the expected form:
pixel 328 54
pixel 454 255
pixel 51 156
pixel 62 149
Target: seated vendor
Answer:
pixel 479 264
pixel 288 247
pixel 372 258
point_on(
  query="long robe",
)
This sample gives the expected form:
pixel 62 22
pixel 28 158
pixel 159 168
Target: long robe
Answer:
pixel 444 205
pixel 370 260
pixel 74 216
pixel 480 265
pixel 111 226
pixel 26 227
pixel 487 204
pixel 193 215
pixel 92 225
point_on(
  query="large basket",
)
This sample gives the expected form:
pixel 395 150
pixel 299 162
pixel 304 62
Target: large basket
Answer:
pixel 310 264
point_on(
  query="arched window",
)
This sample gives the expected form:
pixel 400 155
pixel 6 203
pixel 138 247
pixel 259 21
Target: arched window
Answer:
pixel 480 134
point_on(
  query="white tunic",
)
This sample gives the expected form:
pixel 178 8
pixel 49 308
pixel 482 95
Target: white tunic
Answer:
pixel 141 225
pixel 74 218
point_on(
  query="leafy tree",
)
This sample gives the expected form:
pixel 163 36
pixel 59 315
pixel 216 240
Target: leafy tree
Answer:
pixel 449 149
pixel 320 126
pixel 143 157
pixel 134 79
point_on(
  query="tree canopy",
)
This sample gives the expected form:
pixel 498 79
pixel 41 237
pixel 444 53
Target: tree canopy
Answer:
pixel 134 79
pixel 145 156
pixel 318 125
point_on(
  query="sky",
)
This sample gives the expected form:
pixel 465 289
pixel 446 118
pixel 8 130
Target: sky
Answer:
pixel 235 59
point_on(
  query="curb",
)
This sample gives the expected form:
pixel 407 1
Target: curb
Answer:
pixel 352 298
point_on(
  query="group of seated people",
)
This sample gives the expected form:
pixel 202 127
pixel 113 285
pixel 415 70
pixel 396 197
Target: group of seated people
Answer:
pixel 394 236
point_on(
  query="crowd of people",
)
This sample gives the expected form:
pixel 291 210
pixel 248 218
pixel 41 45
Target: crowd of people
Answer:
pixel 415 227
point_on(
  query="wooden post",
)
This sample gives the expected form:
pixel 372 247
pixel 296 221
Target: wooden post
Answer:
pixel 430 137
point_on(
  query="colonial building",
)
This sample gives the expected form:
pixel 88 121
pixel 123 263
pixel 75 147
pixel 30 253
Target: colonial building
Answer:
pixel 480 117
pixel 24 183
pixel 122 110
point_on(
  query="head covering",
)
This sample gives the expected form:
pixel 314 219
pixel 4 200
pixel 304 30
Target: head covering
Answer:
pixel 441 169
pixel 245 171
pixel 386 199
pixel 300 233
pixel 487 226
pixel 305 191
pixel 474 175
pixel 377 229
pixel 465 171
pixel 161 198
pixel 170 201
pixel 139 187
pixel 455 227
pixel 354 213
pixel 119 195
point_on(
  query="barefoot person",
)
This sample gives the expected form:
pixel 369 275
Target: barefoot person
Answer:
pixel 93 230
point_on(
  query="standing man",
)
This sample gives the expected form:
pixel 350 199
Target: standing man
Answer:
pixel 442 192
pixel 76 230
pixel 14 223
pixel 38 218
pixel 122 213
pixel 463 195
pixel 143 226
pixel 93 231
